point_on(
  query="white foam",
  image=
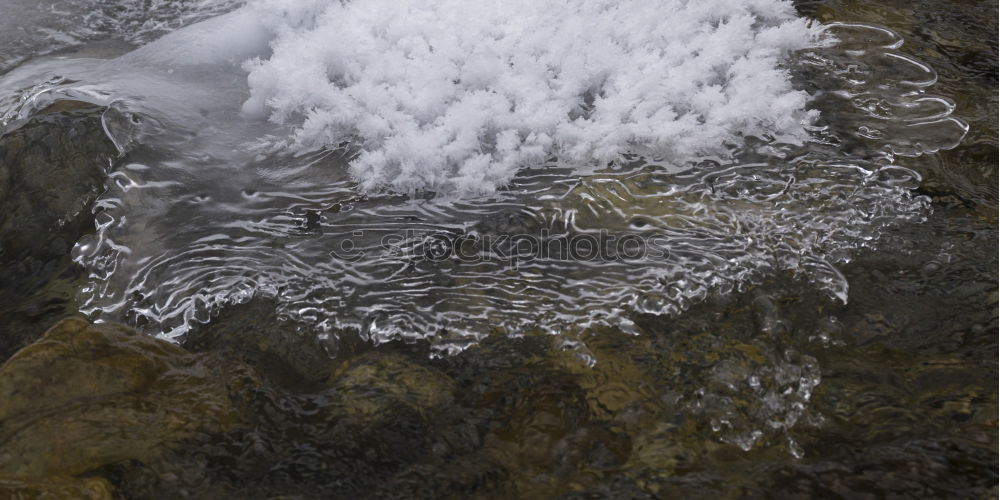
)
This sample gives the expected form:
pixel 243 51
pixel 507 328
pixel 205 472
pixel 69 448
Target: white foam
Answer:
pixel 455 96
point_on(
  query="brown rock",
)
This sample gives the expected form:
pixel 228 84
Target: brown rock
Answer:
pixel 371 383
pixel 86 395
pixel 90 488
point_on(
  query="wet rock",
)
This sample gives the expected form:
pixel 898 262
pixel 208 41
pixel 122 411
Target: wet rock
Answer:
pixel 382 413
pixel 547 440
pixel 84 396
pixel 372 383
pixel 297 360
pixel 51 170
pixel 767 316
pixel 621 387
pixel 52 167
pixel 464 478
pixel 91 488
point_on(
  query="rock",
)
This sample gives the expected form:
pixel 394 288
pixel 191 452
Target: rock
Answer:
pixel 51 170
pixel 85 396
pixel 91 488
pixel 372 383
pixel 74 361
pixel 543 435
pixel 297 360
pixel 379 414
pixel 52 167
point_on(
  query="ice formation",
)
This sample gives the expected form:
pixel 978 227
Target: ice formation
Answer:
pixel 455 96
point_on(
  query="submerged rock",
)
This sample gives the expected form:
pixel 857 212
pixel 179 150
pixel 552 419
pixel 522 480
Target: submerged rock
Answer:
pixel 371 384
pixel 297 360
pixel 85 396
pixel 91 488
pixel 51 169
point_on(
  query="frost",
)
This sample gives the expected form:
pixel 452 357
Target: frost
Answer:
pixel 455 96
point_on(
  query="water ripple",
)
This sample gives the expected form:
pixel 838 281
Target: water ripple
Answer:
pixel 181 235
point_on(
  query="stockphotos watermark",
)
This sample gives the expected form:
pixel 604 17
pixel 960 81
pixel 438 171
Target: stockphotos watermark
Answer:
pixel 513 250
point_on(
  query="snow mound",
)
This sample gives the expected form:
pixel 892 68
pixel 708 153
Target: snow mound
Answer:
pixel 455 96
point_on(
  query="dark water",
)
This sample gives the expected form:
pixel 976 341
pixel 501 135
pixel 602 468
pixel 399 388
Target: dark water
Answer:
pixel 772 390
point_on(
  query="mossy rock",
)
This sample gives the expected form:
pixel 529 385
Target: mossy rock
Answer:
pixel 85 396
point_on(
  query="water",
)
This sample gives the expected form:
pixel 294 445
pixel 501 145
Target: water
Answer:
pixel 191 222
pixel 33 28
pixel 752 293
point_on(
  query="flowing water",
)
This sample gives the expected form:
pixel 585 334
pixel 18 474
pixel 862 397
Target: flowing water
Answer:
pixel 195 218
pixel 718 302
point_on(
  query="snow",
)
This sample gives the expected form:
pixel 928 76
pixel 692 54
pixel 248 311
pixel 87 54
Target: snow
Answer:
pixel 454 96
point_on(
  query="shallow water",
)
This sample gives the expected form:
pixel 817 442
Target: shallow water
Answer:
pixel 192 221
pixel 94 27
pixel 811 319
